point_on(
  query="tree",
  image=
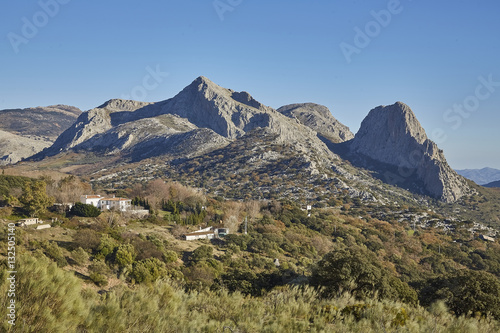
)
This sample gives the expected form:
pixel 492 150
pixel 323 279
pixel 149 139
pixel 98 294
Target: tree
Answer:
pixel 201 253
pixel 357 271
pixel 465 292
pixel 34 198
pixel 85 210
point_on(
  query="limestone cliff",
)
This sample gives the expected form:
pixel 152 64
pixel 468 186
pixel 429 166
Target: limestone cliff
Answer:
pixel 392 135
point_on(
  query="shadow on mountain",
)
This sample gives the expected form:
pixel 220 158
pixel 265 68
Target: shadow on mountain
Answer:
pixel 405 178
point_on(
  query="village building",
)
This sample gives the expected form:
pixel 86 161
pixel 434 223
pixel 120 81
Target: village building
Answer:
pixel 207 233
pixel 103 203
pixel 29 221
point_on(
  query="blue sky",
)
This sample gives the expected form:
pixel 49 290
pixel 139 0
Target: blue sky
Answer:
pixel 439 57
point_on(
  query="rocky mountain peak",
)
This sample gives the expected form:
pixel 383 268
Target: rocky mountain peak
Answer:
pixel 118 105
pixel 320 119
pixel 392 135
pixel 394 122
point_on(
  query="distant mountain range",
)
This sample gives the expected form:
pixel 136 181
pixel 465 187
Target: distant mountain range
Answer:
pixel 481 176
pixel 24 132
pixel 213 135
pixel 493 184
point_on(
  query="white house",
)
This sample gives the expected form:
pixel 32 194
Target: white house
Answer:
pixel 103 203
pixel 91 200
pixel 121 204
pixel 200 235
pixel 29 221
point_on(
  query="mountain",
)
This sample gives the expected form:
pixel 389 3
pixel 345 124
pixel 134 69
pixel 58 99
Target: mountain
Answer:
pixel 481 176
pixel 207 114
pixel 393 136
pixel 210 136
pixel 493 184
pixel 24 132
pixel 320 119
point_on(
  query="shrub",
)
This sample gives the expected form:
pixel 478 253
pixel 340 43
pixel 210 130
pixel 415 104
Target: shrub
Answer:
pixel 357 271
pixel 99 279
pixel 85 210
pixel 148 270
pixel 203 252
pixel 80 256
pixel 465 292
pixel 87 239
pixel 53 251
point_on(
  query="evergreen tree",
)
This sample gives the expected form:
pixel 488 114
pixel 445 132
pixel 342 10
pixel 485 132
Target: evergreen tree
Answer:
pixel 34 198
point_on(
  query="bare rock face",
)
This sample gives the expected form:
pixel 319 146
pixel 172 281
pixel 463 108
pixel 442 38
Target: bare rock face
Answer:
pixel 25 132
pixel 14 148
pixel 228 113
pixel 392 135
pixel 320 119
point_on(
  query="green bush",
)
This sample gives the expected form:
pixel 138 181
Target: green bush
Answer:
pixel 99 279
pixel 357 271
pixel 465 292
pixel 85 210
pixel 148 270
pixel 203 252
pixel 80 256
pixel 53 251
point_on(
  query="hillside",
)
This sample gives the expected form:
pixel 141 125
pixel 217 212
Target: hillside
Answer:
pixel 493 184
pixel 353 266
pixel 25 132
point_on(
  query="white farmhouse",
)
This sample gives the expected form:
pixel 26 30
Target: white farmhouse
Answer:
pixel 91 200
pixel 121 204
pixel 103 203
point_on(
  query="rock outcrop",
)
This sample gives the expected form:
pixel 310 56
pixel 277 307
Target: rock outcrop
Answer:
pixel 320 119
pixel 393 136
pixel 14 148
pixel 25 132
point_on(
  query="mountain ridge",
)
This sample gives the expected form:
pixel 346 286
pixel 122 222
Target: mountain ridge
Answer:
pixel 481 176
pixel 204 117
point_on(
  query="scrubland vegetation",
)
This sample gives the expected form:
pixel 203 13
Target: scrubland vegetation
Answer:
pixel 344 266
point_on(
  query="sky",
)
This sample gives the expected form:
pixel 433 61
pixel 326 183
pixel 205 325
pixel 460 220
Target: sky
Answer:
pixel 439 57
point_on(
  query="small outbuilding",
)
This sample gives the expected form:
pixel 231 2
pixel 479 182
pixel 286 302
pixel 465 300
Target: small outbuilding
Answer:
pixel 29 221
pixel 207 233
pixel 43 226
